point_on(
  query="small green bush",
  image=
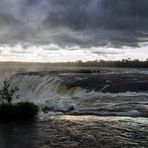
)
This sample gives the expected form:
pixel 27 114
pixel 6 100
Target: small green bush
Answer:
pixel 10 111
pixel 7 111
pixel 27 109
pixel 22 110
pixel 7 93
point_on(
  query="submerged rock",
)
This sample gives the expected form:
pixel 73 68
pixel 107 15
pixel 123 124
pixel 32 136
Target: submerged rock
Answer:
pixel 59 107
pixel 63 107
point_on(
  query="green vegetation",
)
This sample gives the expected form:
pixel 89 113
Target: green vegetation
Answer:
pixel 7 93
pixel 15 111
pixel 102 63
pixel 132 63
pixel 22 110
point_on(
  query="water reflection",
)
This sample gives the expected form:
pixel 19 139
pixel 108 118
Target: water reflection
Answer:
pixel 18 134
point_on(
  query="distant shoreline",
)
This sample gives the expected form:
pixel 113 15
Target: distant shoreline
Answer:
pixel 116 64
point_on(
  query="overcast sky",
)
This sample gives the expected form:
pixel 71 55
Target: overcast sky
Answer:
pixel 69 30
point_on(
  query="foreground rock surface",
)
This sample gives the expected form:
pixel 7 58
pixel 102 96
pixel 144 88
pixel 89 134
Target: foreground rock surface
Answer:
pixel 76 132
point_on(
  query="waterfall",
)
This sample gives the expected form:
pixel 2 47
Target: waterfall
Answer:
pixel 41 88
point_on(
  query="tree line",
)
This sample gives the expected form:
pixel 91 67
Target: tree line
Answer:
pixel 102 63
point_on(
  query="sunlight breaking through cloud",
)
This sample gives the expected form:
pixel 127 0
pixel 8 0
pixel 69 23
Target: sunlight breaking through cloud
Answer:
pixel 55 53
pixel 62 30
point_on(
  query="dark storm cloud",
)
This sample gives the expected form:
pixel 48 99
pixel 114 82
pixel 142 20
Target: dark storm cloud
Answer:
pixel 74 22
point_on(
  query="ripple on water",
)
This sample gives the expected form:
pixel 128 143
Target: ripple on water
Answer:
pixel 76 131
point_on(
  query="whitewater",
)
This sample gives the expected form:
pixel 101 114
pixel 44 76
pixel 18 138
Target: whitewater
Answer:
pixel 103 92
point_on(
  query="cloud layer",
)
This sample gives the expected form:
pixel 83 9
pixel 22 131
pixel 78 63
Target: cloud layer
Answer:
pixel 73 25
pixel 74 22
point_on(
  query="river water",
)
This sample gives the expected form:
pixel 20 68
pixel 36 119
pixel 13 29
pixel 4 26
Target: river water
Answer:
pixel 76 131
pixel 105 108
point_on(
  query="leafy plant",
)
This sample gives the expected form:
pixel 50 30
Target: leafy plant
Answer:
pixel 7 93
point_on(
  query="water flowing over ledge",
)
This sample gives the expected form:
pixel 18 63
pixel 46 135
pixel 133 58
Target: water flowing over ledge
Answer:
pixel 104 92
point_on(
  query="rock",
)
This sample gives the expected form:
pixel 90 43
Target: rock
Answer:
pixel 58 107
pixel 63 107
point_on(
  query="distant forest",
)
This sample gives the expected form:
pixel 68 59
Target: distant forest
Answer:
pixel 102 63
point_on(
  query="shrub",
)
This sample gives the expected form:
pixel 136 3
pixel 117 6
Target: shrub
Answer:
pixel 7 111
pixel 10 111
pixel 7 93
pixel 22 110
pixel 27 109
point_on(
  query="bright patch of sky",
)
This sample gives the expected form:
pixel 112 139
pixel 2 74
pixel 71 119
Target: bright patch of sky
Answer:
pixel 54 53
